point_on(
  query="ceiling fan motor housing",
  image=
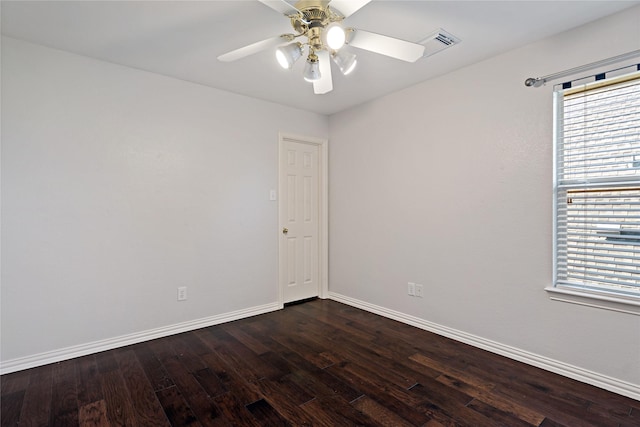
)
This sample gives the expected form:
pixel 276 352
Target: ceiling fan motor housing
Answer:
pixel 315 40
pixel 304 5
pixel 315 16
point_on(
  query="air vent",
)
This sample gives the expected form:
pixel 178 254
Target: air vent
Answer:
pixel 437 41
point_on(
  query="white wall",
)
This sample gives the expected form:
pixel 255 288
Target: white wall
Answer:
pixel 448 184
pixel 120 185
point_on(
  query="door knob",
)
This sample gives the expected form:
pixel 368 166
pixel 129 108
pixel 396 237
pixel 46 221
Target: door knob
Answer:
pixel 285 230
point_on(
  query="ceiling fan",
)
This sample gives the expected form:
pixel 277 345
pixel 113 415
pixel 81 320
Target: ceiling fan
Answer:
pixel 319 24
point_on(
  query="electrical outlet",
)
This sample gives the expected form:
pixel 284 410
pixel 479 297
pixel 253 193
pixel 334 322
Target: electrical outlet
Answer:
pixel 419 291
pixel 182 293
pixel 411 288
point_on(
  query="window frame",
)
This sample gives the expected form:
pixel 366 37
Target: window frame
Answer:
pixel 565 292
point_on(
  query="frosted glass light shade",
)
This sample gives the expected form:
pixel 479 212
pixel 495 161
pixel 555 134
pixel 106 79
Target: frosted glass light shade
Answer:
pixel 346 61
pixel 311 71
pixel 288 55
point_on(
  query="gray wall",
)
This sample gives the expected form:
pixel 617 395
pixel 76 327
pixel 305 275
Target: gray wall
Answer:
pixel 449 184
pixel 120 185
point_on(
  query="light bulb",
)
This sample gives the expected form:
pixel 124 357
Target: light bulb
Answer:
pixel 334 36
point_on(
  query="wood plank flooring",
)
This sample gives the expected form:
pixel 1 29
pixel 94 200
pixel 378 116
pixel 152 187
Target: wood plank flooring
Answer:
pixel 320 363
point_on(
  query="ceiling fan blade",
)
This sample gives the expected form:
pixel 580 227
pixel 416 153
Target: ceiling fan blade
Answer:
pixel 385 45
pixel 348 7
pixel 281 6
pixel 255 48
pixel 325 84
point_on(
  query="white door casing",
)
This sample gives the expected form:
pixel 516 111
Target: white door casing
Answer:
pixel 302 218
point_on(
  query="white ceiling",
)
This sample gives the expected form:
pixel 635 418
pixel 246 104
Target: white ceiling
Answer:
pixel 182 39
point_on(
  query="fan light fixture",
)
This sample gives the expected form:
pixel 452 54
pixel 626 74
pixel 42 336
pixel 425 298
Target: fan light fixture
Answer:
pixel 288 55
pixel 312 69
pixel 346 61
pixel 333 39
pixel 319 23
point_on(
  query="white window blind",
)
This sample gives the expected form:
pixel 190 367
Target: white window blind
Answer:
pixel 597 186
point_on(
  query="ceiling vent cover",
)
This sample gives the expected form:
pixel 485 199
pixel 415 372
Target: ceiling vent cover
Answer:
pixel 437 41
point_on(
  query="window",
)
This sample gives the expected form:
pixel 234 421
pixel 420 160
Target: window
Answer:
pixel 597 194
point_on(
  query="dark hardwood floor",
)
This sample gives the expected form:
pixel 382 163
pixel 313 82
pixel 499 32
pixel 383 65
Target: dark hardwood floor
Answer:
pixel 320 363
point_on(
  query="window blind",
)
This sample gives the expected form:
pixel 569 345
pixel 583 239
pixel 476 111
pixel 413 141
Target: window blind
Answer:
pixel 598 186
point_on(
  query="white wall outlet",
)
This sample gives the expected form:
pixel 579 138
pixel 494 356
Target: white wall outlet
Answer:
pixel 419 291
pixel 182 293
pixel 273 195
pixel 411 288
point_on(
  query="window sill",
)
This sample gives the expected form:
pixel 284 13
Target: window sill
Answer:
pixel 603 300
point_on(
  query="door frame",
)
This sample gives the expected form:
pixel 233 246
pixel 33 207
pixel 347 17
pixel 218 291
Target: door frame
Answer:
pixel 323 212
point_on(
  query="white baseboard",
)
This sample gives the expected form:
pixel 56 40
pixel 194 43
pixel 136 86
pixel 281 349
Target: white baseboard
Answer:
pixel 40 359
pixel 593 378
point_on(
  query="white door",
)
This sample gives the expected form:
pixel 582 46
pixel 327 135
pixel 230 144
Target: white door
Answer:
pixel 299 220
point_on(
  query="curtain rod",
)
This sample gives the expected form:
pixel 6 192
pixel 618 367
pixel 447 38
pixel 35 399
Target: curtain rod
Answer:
pixel 539 81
